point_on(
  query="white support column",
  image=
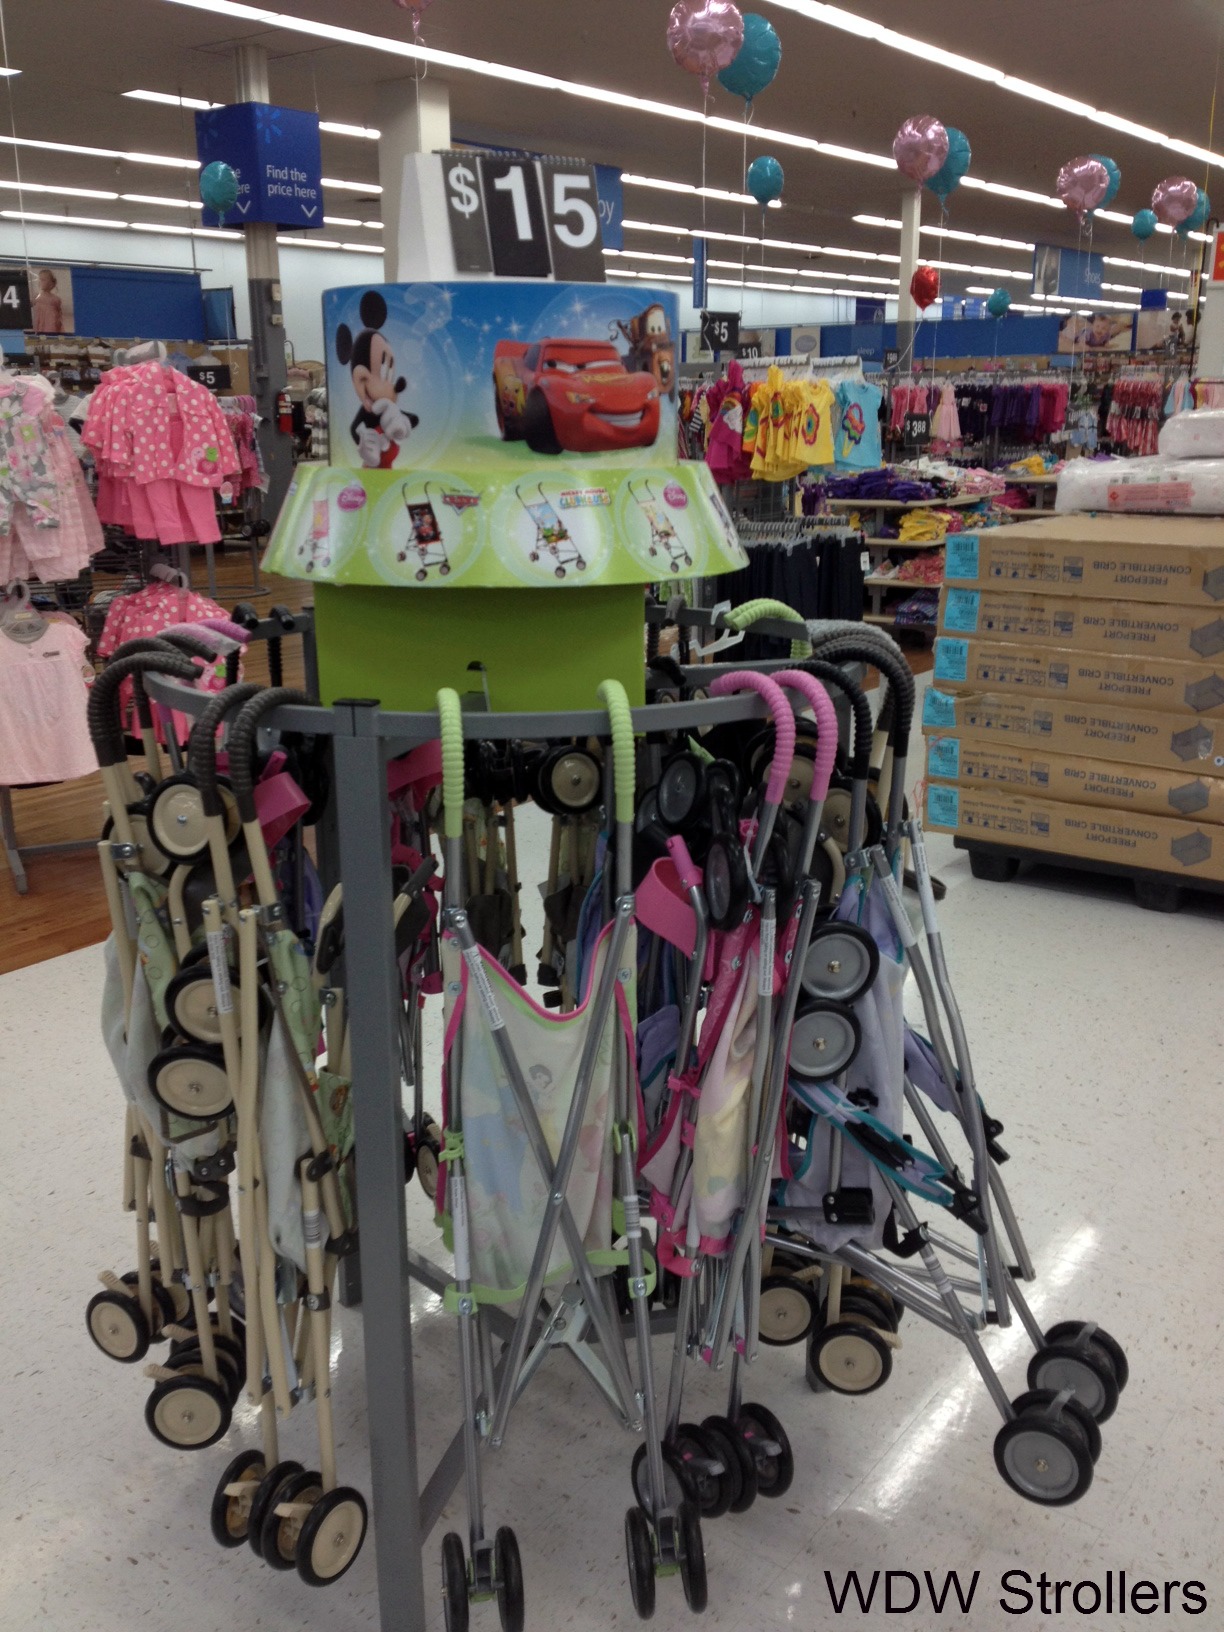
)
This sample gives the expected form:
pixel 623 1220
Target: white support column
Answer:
pixel 911 254
pixel 1210 362
pixel 268 369
pixel 414 117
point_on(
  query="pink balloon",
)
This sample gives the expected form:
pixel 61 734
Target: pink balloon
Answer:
pixel 1174 199
pixel 704 36
pixel 1082 184
pixel 920 147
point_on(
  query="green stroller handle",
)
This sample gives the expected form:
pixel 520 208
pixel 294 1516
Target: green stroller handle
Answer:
pixel 450 728
pixel 743 617
pixel 615 699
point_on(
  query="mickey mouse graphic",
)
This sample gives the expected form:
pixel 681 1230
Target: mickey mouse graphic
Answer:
pixel 380 425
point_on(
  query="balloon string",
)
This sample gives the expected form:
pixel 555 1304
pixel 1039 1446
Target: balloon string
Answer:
pixel 744 213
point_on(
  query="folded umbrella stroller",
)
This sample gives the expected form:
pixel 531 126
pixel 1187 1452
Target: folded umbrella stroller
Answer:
pixel 541 1124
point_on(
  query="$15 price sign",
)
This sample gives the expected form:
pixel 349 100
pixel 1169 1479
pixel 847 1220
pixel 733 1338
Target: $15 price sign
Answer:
pixel 519 217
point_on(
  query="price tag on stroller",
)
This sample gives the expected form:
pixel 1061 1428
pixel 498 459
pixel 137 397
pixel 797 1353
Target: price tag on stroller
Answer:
pixel 219 964
pixel 922 874
pixel 892 895
pixel 476 969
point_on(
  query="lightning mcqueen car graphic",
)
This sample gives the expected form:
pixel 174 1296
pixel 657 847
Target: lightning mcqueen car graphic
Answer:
pixel 572 396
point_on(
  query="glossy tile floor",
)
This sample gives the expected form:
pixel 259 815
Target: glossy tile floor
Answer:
pixel 1098 1037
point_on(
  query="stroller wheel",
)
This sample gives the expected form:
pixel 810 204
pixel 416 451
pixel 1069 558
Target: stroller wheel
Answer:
pixel 639 1547
pixel 824 1039
pixel 868 1303
pixel 851 1357
pixel 569 781
pixel 1072 1329
pixel 279 1537
pixel 842 962
pixel 722 1431
pixel 265 1496
pixel 509 1569
pixel 678 1481
pixel 708 1469
pixel 188 1413
pixel 454 1583
pixel 758 1428
pixel 788 1310
pixel 191 1080
pixel 1041 1397
pixel 191 1003
pixel 189 1361
pixel 444 569
pixel 421 575
pixel 692 1557
pixel 331 1536
pixel 428 1151
pixel 1085 1368
pixel 165 1310
pixel 230 1516
pixel 560 572
pixel 118 1326
pixel 580 564
pixel 1044 1457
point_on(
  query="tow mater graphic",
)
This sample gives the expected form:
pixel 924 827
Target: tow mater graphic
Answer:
pixel 651 348
pixel 572 396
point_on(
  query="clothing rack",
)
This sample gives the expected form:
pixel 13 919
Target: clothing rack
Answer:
pixel 803 366
pixel 17 853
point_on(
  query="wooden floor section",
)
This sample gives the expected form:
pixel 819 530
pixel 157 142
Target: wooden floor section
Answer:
pixel 65 908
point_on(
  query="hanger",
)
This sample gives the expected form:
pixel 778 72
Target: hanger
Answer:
pixel 169 575
pixel 20 620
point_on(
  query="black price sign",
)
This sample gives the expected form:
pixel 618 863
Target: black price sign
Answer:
pixel 466 211
pixel 749 352
pixel 891 357
pixel 571 206
pixel 916 430
pixel 514 210
pixel 15 310
pixel 720 331
pixel 216 376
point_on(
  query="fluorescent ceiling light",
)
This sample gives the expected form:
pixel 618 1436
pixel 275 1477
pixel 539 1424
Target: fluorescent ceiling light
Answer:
pixel 767 243
pixel 348 186
pixel 9 73
pixel 175 231
pixel 1146 266
pixel 1124 288
pixel 372 226
pixel 334 127
pixel 948 232
pixel 162 201
pixel 912 45
pixel 170 100
pixel 719 193
pixel 61 192
pixel 340 221
pixel 101 152
pixel 64 220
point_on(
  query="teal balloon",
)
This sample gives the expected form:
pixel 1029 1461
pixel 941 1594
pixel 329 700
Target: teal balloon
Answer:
pixel 765 179
pixel 757 61
pixel 1198 217
pixel 999 303
pixel 1144 224
pixel 1115 179
pixel 948 177
pixel 218 187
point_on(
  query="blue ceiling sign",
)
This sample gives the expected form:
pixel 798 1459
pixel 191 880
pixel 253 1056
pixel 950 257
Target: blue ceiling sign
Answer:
pixel 276 156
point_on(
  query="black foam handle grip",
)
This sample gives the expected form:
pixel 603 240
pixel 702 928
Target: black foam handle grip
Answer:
pixel 894 669
pixel 202 744
pixel 193 645
pixel 860 708
pixel 102 709
pixel 242 742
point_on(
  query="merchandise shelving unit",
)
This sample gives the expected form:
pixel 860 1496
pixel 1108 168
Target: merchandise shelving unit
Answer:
pixel 880 548
pixel 357 847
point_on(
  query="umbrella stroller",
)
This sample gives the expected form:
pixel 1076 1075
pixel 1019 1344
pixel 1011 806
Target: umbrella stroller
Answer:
pixel 663 535
pixel 534 1227
pixel 849 1193
pixel 426 540
pixel 295 1150
pixel 315 549
pixel 552 536
pixel 178 1126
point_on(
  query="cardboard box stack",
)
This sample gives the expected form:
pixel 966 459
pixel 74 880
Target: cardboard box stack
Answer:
pixel 1077 703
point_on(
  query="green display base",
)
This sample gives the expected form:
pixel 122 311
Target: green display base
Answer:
pixel 540 650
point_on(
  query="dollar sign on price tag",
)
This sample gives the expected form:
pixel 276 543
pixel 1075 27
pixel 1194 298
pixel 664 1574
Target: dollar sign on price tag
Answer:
pixel 465 203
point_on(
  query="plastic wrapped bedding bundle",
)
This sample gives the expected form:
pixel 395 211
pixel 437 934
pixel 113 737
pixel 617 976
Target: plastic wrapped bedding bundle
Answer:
pixel 1156 486
pixel 1196 434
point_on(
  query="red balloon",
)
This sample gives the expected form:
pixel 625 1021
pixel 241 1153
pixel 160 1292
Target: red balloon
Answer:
pixel 924 286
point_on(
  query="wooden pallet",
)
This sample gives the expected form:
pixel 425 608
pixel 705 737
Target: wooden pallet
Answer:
pixel 1158 892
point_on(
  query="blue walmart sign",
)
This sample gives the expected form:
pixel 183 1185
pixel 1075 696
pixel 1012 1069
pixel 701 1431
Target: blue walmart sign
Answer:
pixel 276 156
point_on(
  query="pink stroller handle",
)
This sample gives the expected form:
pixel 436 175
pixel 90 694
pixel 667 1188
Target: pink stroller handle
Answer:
pixel 826 727
pixel 687 870
pixel 784 723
